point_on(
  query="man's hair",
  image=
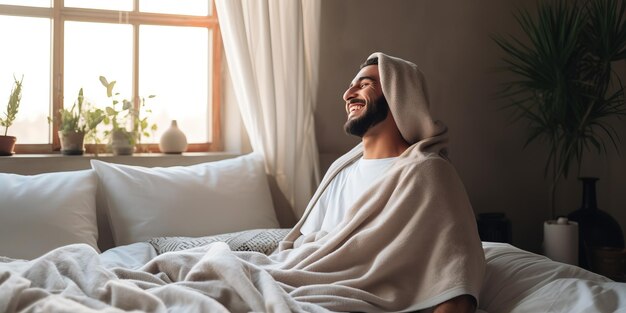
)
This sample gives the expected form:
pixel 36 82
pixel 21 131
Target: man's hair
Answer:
pixel 372 61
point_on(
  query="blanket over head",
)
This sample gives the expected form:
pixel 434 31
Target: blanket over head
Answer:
pixel 410 241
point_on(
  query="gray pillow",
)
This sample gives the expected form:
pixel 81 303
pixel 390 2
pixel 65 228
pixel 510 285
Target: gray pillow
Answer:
pixel 259 240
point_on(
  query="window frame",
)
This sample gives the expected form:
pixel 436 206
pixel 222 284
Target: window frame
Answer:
pixel 59 14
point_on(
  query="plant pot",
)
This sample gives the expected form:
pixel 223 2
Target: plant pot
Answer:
pixel 122 143
pixel 72 142
pixel 7 144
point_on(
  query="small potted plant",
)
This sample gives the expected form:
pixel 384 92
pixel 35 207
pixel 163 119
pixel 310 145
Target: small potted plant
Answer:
pixel 127 127
pixel 7 143
pixel 76 123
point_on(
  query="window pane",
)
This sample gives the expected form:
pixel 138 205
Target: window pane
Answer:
pixel 29 3
pixel 173 65
pixel 121 5
pixel 187 7
pixel 88 57
pixel 28 55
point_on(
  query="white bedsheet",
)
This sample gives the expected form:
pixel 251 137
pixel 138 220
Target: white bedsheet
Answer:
pixel 130 256
pixel 518 281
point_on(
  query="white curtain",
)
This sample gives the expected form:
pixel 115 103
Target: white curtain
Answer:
pixel 272 50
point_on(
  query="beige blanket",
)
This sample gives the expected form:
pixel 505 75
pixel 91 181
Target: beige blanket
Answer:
pixel 406 245
pixel 409 243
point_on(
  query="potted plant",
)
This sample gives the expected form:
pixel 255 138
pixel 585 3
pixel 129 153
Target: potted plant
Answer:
pixel 7 143
pixel 565 88
pixel 76 123
pixel 127 126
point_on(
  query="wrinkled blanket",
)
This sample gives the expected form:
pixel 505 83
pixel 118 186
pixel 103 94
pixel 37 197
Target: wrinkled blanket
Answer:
pixel 409 243
pixel 205 279
pixel 406 245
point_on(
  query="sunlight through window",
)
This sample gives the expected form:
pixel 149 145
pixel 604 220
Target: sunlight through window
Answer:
pixel 28 56
pixel 165 48
pixel 174 67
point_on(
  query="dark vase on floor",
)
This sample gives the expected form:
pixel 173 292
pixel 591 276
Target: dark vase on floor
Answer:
pixel 597 229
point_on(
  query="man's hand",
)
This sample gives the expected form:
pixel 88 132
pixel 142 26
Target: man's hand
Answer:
pixel 460 304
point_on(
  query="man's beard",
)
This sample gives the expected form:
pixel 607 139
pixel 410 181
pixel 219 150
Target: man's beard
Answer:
pixel 374 113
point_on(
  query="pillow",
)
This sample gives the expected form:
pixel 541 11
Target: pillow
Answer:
pixel 259 240
pixel 41 212
pixel 190 201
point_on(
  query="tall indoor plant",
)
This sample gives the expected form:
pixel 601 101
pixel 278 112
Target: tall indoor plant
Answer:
pixel 565 88
pixel 7 143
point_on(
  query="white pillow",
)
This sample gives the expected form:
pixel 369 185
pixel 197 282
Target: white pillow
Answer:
pixel 190 201
pixel 41 212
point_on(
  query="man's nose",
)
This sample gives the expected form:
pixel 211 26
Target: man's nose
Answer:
pixel 349 94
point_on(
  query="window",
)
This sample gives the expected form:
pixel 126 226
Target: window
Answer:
pixel 167 48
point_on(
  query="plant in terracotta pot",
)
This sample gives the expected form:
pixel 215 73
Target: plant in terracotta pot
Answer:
pixel 565 88
pixel 75 124
pixel 7 143
pixel 126 125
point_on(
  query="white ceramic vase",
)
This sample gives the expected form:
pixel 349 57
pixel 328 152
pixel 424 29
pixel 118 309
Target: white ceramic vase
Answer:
pixel 173 140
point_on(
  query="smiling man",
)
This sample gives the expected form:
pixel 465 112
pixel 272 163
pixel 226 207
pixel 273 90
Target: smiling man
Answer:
pixel 394 203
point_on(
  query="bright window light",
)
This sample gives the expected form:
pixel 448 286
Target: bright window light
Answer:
pixel 174 67
pixel 119 5
pixel 87 57
pixel 185 7
pixel 29 3
pixel 163 48
pixel 27 55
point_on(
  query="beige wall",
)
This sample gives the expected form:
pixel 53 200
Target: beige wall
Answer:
pixel 450 41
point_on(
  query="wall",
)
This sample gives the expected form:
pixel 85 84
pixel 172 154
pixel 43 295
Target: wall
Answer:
pixel 450 41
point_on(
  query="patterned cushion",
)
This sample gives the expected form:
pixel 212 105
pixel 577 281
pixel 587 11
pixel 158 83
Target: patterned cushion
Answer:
pixel 260 240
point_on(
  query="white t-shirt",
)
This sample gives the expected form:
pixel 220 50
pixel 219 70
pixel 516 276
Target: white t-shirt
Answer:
pixel 342 192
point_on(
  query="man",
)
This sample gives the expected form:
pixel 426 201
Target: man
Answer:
pixel 403 151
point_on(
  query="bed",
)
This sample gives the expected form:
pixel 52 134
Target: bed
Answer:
pixel 109 239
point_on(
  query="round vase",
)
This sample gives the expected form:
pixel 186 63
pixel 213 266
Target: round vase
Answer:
pixel 72 142
pixel 173 140
pixel 597 229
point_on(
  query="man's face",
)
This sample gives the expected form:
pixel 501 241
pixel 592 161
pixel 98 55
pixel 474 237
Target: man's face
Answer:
pixel 366 105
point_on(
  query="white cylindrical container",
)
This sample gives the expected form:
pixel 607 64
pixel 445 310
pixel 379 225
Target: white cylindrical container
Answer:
pixel 173 140
pixel 560 240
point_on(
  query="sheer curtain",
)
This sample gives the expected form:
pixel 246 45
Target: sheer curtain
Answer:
pixel 272 49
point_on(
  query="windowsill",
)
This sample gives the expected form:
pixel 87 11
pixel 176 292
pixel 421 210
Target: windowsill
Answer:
pixel 110 155
pixel 29 164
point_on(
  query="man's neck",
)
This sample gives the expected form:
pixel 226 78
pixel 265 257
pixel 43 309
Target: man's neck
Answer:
pixel 383 141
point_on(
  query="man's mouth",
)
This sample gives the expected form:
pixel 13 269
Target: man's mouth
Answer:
pixel 355 106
